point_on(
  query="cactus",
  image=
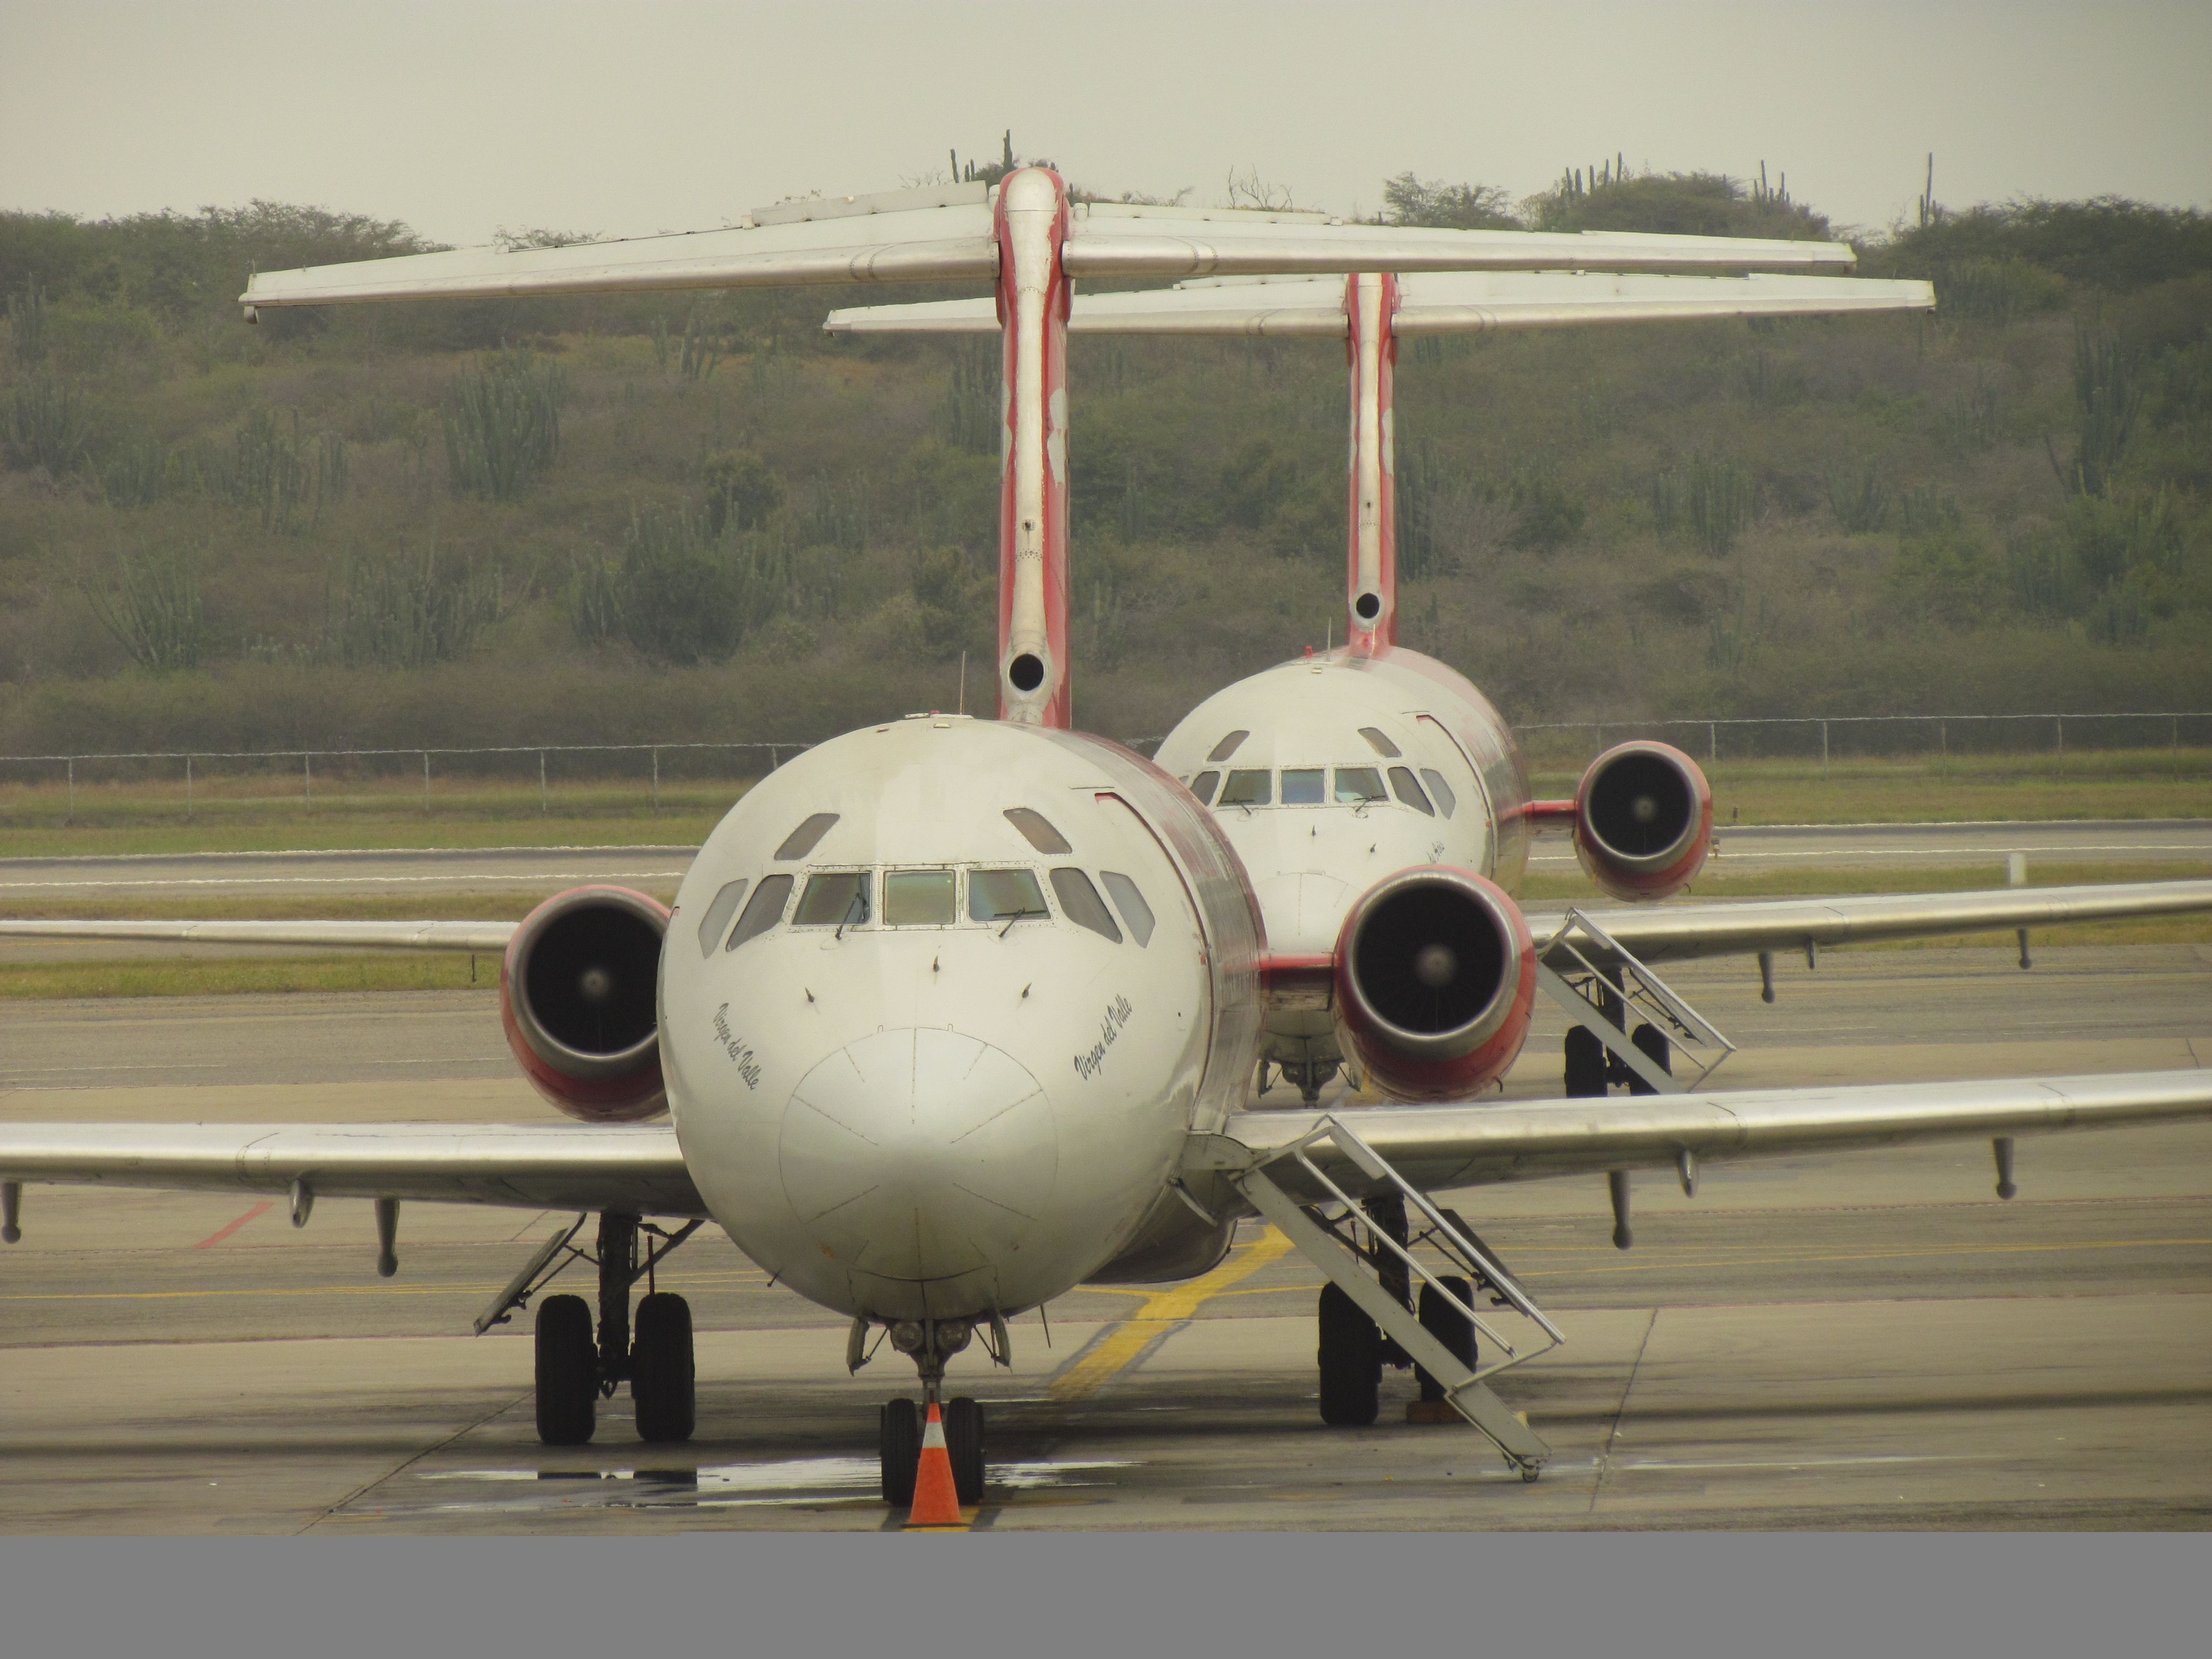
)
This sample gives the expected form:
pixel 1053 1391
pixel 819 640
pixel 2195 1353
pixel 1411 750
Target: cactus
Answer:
pixel 153 608
pixel 26 324
pixel 502 422
pixel 389 609
pixel 52 427
pixel 1860 501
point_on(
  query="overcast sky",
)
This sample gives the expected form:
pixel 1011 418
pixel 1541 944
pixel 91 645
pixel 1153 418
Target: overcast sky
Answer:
pixel 466 115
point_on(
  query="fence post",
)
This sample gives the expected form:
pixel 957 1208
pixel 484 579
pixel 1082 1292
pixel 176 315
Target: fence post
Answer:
pixel 307 779
pixel 2059 720
pixel 771 757
pixel 426 783
pixel 188 789
pixel 656 783
pixel 1943 741
pixel 1824 748
pixel 2174 735
pixel 1712 742
pixel 541 807
pixel 68 814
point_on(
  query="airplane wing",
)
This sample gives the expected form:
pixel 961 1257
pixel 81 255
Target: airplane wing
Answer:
pixel 1440 1147
pixel 1676 932
pixel 947 233
pixel 1453 302
pixel 480 937
pixel 637 1171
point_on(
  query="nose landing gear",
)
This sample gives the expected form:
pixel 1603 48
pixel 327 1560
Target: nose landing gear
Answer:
pixel 930 1343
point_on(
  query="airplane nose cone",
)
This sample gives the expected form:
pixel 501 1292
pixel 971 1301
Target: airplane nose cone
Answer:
pixel 919 1154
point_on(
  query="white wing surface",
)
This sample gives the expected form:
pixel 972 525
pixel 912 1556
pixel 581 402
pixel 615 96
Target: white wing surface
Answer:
pixel 1439 1147
pixel 1668 932
pixel 1453 302
pixel 636 1169
pixel 480 937
pixel 947 234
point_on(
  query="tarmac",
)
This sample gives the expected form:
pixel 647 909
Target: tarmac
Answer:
pixel 1857 1340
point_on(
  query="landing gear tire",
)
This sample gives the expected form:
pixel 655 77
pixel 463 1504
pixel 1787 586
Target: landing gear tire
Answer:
pixel 1449 1326
pixel 1651 1042
pixel 662 1376
pixel 568 1371
pixel 898 1440
pixel 964 1442
pixel 1350 1359
pixel 1586 1058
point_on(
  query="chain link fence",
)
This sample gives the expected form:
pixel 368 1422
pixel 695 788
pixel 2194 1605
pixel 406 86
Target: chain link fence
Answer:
pixel 647 774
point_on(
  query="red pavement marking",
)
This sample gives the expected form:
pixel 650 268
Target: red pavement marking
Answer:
pixel 220 1234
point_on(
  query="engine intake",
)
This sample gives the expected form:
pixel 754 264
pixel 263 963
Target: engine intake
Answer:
pixel 1436 976
pixel 578 995
pixel 1643 820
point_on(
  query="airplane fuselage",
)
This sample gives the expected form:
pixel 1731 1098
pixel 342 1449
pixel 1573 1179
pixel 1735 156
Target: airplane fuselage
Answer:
pixel 940 1004
pixel 1331 772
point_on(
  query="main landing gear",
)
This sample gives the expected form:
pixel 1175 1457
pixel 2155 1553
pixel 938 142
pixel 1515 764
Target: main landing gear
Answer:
pixel 577 1367
pixel 1591 1071
pixel 1352 1349
pixel 930 1343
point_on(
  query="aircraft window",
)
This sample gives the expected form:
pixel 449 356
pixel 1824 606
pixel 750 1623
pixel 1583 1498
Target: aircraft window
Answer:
pixel 1358 785
pixel 1381 744
pixel 838 898
pixel 1447 803
pixel 1302 788
pixel 1005 896
pixel 1082 904
pixel 1039 831
pixel 1202 786
pixel 1249 789
pixel 718 915
pixel 1134 910
pixel 918 898
pixel 1227 746
pixel 1409 791
pixel 801 841
pixel 764 911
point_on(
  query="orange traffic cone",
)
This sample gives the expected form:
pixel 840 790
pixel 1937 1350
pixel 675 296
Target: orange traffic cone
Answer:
pixel 936 1500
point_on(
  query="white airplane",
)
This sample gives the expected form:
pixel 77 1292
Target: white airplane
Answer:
pixel 951 1016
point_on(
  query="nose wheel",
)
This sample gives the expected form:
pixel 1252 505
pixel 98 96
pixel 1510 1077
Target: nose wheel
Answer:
pixel 898 1438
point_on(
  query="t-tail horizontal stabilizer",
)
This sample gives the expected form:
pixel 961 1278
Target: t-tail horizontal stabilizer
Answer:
pixel 1451 302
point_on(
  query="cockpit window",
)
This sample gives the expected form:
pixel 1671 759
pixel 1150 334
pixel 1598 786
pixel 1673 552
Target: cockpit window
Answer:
pixel 1301 788
pixel 1039 830
pixel 1082 904
pixel 1381 744
pixel 1005 896
pixel 1134 910
pixel 718 915
pixel 1227 746
pixel 764 911
pixel 1441 791
pixel 1249 789
pixel 837 899
pixel 918 898
pixel 1408 790
pixel 1202 786
pixel 801 841
pixel 1358 785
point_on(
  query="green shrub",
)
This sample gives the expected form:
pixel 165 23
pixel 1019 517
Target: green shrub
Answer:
pixel 681 593
pixel 743 492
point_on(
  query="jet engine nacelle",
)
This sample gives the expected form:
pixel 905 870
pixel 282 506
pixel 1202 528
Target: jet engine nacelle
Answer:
pixel 1643 820
pixel 578 992
pixel 1435 977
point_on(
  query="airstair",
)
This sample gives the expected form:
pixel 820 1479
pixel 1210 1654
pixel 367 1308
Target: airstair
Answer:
pixel 1603 989
pixel 1365 1260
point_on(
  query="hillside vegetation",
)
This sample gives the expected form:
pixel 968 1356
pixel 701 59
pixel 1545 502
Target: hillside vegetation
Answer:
pixel 635 518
